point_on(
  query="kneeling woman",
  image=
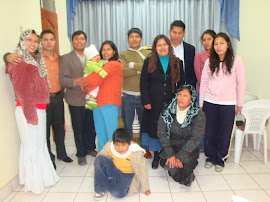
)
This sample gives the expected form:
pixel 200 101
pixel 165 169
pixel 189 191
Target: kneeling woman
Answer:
pixel 180 130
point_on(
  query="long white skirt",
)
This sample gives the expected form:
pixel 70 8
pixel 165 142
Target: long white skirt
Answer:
pixel 36 170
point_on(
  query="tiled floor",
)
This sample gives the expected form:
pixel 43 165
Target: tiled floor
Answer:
pixel 250 180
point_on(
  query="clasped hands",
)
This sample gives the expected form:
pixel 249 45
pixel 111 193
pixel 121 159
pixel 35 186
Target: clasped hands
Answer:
pixel 174 162
pixel 81 83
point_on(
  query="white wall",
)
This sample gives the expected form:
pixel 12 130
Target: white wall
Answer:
pixel 64 43
pixel 16 16
pixel 254 47
pixel 29 17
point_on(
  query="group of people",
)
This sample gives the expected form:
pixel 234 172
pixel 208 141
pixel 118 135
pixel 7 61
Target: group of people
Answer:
pixel 159 84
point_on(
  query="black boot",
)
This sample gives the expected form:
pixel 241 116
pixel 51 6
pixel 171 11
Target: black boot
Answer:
pixel 155 160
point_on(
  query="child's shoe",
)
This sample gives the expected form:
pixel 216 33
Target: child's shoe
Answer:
pixel 99 196
pixel 148 155
pixel 91 103
pixel 87 106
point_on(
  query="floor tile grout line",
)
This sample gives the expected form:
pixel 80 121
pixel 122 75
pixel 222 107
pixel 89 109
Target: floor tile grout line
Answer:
pixel 200 188
pixel 255 180
pixel 204 196
pixel 167 176
pixel 228 183
pixel 76 196
pixel 254 155
pixel 12 197
pixel 45 194
pixel 266 192
pixel 198 184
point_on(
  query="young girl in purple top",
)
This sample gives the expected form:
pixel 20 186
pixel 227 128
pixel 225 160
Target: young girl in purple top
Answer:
pixel 222 87
pixel 200 58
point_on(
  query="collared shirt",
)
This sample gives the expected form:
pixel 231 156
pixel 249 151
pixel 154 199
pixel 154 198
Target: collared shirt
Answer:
pixel 82 59
pixel 53 72
pixel 179 52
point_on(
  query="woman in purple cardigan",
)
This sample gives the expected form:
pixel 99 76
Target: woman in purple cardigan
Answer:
pixel 30 82
pixel 200 58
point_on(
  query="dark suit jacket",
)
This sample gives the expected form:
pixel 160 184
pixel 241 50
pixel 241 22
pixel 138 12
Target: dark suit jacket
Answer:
pixel 71 68
pixel 157 91
pixel 189 54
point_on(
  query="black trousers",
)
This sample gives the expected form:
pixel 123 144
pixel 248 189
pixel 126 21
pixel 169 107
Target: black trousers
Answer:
pixel 55 118
pixel 218 131
pixel 84 129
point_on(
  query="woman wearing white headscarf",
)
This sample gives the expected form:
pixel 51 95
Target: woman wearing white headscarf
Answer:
pixel 180 129
pixel 30 82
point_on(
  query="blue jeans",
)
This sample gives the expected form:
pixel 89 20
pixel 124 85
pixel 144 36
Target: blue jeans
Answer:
pixel 110 179
pixel 129 104
pixel 106 122
pixel 84 130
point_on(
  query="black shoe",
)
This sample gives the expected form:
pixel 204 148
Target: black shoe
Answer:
pixel 155 165
pixel 67 160
pixel 92 153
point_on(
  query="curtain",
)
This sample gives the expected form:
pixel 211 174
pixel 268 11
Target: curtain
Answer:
pixel 111 19
pixel 230 16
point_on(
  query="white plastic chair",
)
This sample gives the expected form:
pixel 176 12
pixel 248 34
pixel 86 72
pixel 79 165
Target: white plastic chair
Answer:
pixel 248 97
pixel 256 114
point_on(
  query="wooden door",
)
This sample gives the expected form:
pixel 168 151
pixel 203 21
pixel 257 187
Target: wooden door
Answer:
pixel 49 21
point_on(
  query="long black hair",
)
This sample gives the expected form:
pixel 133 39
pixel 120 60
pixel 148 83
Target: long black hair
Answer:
pixel 113 46
pixel 175 72
pixel 228 59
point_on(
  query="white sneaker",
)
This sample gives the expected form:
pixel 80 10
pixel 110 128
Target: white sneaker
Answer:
pixel 219 168
pixel 208 165
pixel 99 196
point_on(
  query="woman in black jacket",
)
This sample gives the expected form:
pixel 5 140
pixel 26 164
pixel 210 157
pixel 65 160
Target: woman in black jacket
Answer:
pixel 162 74
pixel 180 129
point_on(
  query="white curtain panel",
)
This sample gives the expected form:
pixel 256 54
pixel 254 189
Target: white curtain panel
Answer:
pixel 111 19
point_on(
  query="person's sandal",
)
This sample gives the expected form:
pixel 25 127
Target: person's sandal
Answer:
pixel 208 165
pixel 99 196
pixel 219 168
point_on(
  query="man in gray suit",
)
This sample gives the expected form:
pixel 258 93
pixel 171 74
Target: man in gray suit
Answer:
pixel 71 78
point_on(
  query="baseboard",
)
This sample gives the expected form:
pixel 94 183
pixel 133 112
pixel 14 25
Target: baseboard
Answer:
pixel 9 188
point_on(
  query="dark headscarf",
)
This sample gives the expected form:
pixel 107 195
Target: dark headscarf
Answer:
pixel 170 112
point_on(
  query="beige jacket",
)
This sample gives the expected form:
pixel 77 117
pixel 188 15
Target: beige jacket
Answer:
pixel 138 163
